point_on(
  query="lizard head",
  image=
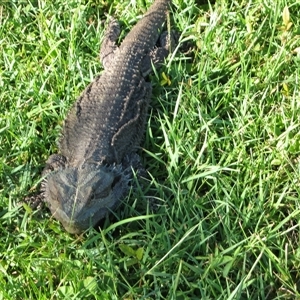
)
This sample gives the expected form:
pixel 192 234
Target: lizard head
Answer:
pixel 80 197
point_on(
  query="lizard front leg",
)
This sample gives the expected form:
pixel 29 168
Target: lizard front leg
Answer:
pixel 109 47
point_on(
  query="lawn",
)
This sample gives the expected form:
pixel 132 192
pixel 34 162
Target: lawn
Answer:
pixel 221 146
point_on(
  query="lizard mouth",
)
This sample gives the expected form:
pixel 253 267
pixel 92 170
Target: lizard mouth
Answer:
pixel 72 226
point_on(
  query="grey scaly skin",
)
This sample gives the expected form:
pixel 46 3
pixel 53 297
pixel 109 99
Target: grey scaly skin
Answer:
pixel 103 130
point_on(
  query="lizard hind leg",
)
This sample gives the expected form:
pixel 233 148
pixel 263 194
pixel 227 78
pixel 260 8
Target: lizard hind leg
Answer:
pixel 109 47
pixel 156 56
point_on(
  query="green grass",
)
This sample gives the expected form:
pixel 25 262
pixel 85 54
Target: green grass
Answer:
pixel 222 148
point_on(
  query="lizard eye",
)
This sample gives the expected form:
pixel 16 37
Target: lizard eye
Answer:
pixel 101 194
pixel 104 193
pixel 116 180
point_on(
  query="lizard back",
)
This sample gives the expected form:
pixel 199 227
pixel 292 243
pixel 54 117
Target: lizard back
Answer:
pixel 115 103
